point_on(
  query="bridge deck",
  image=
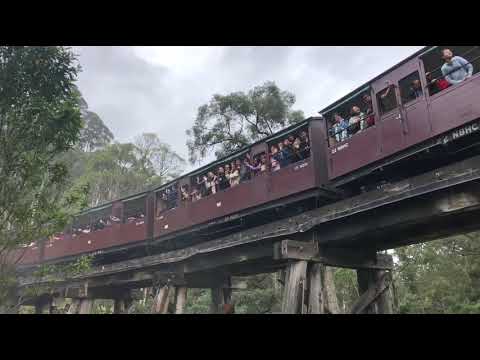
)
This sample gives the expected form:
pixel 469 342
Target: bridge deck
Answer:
pixel 425 207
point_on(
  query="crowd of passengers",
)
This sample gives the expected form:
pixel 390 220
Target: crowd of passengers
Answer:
pixel 359 119
pixel 103 223
pixel 455 70
pixel 290 150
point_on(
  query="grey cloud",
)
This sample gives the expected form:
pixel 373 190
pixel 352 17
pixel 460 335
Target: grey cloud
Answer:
pixel 134 96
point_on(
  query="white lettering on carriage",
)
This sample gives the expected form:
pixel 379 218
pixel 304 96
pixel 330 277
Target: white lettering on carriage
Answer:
pixel 467 130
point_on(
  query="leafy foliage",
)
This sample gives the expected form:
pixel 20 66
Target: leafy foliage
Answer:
pixel 229 122
pixel 94 134
pixel 39 119
pixel 442 276
pixel 121 169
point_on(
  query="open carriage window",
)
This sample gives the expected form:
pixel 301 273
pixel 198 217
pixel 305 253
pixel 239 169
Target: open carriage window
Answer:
pixel 101 218
pixel 387 100
pixel 134 210
pixel 350 117
pixel 289 148
pixel 221 176
pixel 166 198
pixel 446 66
pixel 81 225
pixel 410 87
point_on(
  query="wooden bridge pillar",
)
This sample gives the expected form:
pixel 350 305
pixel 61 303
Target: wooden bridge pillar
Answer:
pixel 119 306
pixel 222 297
pixel 295 288
pixel 373 285
pixel 43 305
pixel 85 306
pixel 180 299
pixel 309 284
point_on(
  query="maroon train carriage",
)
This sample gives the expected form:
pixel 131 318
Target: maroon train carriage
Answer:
pixel 399 122
pixel 392 127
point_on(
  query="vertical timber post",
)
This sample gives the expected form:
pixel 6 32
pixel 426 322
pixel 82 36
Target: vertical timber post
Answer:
pixel 316 292
pixel 118 306
pixel 181 299
pixel 218 300
pixel 384 305
pixel 295 285
pixel 85 306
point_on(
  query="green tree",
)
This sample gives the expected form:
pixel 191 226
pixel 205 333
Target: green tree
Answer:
pixel 94 134
pixel 118 169
pixel 156 159
pixel 39 119
pixel 441 276
pixel 231 121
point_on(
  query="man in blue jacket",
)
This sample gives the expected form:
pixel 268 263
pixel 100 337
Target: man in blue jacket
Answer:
pixel 456 69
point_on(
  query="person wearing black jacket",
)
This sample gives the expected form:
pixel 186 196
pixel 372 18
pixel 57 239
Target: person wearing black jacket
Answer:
pixel 222 180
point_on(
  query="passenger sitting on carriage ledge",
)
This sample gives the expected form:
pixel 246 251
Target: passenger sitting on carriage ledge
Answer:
pixel 415 90
pixel 456 69
pixel 367 100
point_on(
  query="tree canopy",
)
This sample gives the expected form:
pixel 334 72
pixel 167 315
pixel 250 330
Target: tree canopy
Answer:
pixel 229 122
pixel 39 119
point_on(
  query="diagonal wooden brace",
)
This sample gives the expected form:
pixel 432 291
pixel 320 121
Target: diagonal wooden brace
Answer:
pixel 373 292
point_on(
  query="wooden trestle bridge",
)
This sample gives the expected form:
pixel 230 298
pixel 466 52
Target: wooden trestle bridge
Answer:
pixel 350 233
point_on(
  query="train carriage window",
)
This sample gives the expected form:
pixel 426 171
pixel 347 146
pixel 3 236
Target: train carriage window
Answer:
pixel 134 210
pixel 410 87
pixel 387 100
pixel 352 116
pixel 101 218
pixel 81 225
pixel 288 149
pixel 167 198
pixel 433 62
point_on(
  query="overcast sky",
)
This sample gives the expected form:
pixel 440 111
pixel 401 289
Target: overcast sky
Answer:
pixel 159 89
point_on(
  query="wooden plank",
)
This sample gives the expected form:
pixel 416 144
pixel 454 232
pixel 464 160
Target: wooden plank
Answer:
pixel 367 298
pixel 293 293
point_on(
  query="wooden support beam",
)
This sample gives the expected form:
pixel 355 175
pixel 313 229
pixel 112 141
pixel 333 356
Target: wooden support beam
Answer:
pixel 218 300
pixel 315 287
pixel 181 299
pixel 85 306
pixel 163 299
pixel 384 304
pixel 294 291
pixel 346 258
pixel 377 286
pixel 43 305
pixel 118 306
